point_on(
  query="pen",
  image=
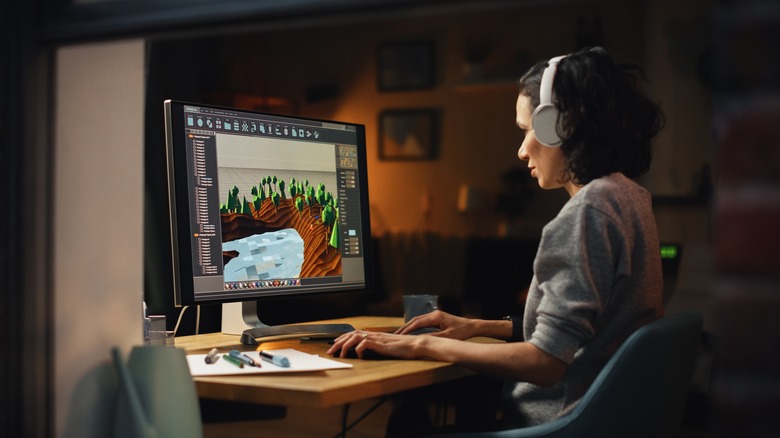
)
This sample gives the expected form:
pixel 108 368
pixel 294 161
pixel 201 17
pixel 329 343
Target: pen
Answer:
pixel 277 360
pixel 233 360
pixel 235 354
pixel 212 356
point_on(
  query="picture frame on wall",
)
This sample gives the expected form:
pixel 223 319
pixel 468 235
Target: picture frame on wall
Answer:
pixel 409 134
pixel 407 65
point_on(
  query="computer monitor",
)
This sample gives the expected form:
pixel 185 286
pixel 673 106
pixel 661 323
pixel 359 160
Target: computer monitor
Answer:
pixel 263 206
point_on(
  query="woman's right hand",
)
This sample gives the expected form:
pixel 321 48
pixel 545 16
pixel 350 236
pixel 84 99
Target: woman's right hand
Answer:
pixel 450 326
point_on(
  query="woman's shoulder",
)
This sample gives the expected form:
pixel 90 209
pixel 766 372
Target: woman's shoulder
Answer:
pixel 613 186
pixel 612 194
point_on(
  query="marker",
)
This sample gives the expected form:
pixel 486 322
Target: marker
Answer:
pixel 241 357
pixel 212 356
pixel 233 360
pixel 277 360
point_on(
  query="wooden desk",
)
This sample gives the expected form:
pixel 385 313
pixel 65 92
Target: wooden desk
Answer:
pixel 366 379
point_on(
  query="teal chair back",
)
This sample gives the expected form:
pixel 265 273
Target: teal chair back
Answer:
pixel 641 392
pixel 157 396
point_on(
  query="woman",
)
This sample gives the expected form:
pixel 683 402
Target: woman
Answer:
pixel 597 272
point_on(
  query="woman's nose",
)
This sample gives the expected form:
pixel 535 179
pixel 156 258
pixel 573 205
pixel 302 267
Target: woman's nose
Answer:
pixel 521 153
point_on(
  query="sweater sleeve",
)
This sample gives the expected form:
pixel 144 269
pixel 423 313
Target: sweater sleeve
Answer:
pixel 575 269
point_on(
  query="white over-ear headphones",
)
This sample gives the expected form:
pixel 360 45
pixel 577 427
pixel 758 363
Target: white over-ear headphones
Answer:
pixel 544 120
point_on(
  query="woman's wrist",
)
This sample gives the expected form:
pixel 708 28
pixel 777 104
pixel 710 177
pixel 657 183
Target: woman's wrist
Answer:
pixel 491 328
pixel 517 328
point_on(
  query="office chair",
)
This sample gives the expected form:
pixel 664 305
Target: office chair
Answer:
pixel 157 396
pixel 641 391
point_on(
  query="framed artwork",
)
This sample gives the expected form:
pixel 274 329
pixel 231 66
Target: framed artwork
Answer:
pixel 405 66
pixel 408 134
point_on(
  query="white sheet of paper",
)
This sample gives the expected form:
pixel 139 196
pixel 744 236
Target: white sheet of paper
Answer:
pixel 299 361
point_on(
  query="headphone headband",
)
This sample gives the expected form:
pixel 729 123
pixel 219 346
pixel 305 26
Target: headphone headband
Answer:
pixel 546 93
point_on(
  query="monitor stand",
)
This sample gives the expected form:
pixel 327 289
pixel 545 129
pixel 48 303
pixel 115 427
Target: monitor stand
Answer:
pixel 241 319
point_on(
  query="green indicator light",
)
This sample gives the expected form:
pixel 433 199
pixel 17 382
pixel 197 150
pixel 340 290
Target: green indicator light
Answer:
pixel 669 251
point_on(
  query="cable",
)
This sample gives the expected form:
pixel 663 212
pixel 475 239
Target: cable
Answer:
pixel 197 319
pixel 181 313
pixel 346 428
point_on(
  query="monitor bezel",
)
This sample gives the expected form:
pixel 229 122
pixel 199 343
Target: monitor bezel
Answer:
pixel 179 211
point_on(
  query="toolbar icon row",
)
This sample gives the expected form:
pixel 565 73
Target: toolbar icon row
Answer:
pixel 251 127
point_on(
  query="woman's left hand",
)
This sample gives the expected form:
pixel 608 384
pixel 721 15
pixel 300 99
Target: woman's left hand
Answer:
pixel 385 344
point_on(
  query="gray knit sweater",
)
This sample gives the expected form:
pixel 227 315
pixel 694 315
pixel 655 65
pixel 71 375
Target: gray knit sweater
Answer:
pixel 597 278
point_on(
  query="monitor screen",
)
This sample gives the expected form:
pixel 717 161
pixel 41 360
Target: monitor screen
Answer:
pixel 265 205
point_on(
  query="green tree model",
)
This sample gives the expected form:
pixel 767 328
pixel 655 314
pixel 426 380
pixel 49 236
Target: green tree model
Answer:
pixel 328 216
pixel 328 219
pixel 310 200
pixel 245 207
pixel 320 196
pixel 232 200
pixel 334 236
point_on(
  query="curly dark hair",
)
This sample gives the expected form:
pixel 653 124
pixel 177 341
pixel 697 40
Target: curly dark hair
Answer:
pixel 605 121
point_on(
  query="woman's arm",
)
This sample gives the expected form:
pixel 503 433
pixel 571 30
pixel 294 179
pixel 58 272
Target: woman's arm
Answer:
pixel 517 361
pixel 457 327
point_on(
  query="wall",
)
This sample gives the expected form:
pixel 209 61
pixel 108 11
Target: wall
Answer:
pixel 679 64
pixel 97 226
pixel 479 139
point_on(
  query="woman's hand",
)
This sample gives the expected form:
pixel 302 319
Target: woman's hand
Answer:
pixel 450 326
pixel 386 344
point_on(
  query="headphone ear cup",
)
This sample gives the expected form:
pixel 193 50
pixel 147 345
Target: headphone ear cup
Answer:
pixel 544 122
